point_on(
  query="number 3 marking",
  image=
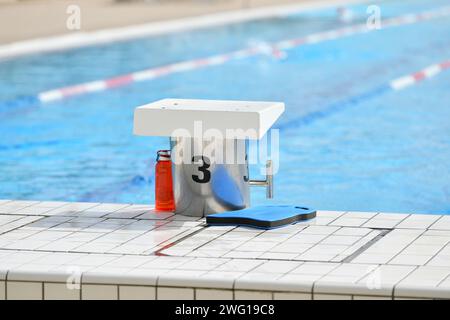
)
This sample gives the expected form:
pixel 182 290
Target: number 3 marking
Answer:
pixel 203 169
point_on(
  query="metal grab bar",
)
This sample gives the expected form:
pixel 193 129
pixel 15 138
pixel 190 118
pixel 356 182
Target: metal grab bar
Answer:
pixel 268 182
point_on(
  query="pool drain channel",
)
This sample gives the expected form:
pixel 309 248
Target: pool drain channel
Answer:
pixel 159 252
pixel 348 259
pixel 363 248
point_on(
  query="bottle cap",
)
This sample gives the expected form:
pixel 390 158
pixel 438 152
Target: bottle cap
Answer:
pixel 163 155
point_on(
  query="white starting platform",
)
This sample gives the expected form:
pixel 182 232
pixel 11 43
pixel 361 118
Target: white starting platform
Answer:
pixel 165 117
pixel 59 250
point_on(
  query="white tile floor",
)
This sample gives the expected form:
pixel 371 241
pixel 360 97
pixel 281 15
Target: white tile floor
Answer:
pixel 58 250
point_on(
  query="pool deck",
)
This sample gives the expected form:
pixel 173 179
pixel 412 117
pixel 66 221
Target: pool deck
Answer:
pixel 42 18
pixel 60 250
pixel 41 25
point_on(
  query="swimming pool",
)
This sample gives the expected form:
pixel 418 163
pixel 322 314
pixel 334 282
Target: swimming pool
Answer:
pixel 345 144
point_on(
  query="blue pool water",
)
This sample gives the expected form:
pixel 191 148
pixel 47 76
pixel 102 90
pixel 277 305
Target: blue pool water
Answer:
pixel 388 152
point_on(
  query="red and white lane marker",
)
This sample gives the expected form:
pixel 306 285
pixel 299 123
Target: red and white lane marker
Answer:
pixel 429 72
pixel 276 50
pixel 393 85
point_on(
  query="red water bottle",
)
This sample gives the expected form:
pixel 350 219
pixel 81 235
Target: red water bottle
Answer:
pixel 163 182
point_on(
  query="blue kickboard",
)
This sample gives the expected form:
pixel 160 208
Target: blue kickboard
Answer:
pixel 262 217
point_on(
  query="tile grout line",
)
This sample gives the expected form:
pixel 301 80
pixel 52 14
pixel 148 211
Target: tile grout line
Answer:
pixel 328 236
pixel 435 222
pixel 81 285
pixel 399 252
pixel 26 206
pixel 245 273
pixel 398 282
pixel 313 286
pixel 6 284
pixel 211 240
pixel 233 289
pixel 157 286
pixel 335 218
pixel 393 227
pixel 399 222
pixel 105 234
pixel 437 253
pixel 175 242
pixel 19 217
pixel 172 244
pixel 359 244
pixel 23 225
pixel 49 230
pixel 243 243
pixel 443 280
pixel 277 243
pixel 294 234
pixel 317 243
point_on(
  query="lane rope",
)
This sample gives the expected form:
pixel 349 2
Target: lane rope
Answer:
pixel 275 49
pixel 393 85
